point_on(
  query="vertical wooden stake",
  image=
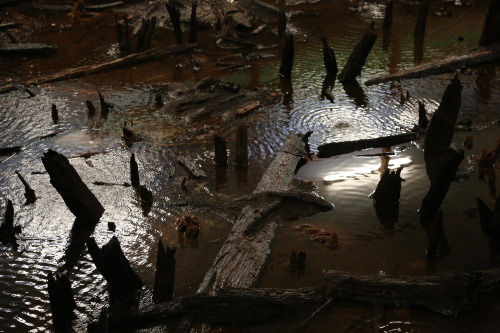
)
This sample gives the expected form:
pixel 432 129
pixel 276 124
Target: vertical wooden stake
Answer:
pixel 29 193
pixel 329 58
pixel 165 273
pixel 91 109
pixel 220 151
pixel 175 18
pixel 357 59
pixel 104 106
pixel 287 56
pixel 422 18
pixel 193 31
pixel 134 172
pixel 388 15
pixel 422 115
pixel 55 114
pixel 241 147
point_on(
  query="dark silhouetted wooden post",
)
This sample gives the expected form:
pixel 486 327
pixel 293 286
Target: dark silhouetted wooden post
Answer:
pixel 422 18
pixel 122 34
pixel 134 172
pixel 145 34
pixel 220 157
pixel 193 30
pixel 7 229
pixel 62 302
pixel 165 274
pixel 388 15
pixel 287 56
pixel 29 193
pixel 282 21
pixel 241 147
pixel 104 106
pixel 329 58
pixel 90 109
pixel 175 18
pixel 442 126
pixel 357 59
pixel 55 114
pixel 491 26
pixel 422 115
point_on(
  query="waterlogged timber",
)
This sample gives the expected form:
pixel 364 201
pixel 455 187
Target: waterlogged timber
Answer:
pixel 366 244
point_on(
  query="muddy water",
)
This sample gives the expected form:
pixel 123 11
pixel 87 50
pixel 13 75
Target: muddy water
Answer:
pixel 366 244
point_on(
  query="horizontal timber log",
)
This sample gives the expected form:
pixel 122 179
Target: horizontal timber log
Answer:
pixel 132 59
pixel 470 58
pixel 339 148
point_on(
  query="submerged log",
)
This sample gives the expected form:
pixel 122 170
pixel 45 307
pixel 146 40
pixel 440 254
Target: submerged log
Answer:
pixel 450 294
pixel 132 59
pixel 339 148
pixel 165 273
pixel 77 196
pixel 442 126
pixel 491 25
pixel 357 59
pixel 29 193
pixel 441 182
pixel 470 58
pixel 122 280
pixel 287 56
pixel 15 49
pixel 62 302
pixel 242 257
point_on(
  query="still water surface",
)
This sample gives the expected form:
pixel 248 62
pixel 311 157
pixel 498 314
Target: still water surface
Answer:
pixel 366 245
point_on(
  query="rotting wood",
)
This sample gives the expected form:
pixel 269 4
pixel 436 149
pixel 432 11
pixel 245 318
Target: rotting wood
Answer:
pixel 122 280
pixel 35 48
pixel 193 169
pixel 339 148
pixel 241 258
pixel 123 36
pixel 132 59
pixel 10 150
pixel 441 182
pixel 230 306
pixel 165 273
pixel 450 64
pixel 422 18
pixel 357 59
pixel 104 105
pixel 29 193
pixel 241 147
pixel 175 19
pixel 77 196
pixel 388 15
pixel 442 126
pixel 287 56
pixel 62 302
pixel 491 25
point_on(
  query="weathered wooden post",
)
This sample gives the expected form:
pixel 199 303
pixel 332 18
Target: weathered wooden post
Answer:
pixel 329 58
pixel 193 30
pixel 104 106
pixel 422 18
pixel 422 116
pixel 175 19
pixel 220 157
pixel 165 274
pixel 123 282
pixel 491 26
pixel 388 15
pixel 122 34
pixel 55 114
pixel 241 146
pixel 29 193
pixel 386 197
pixel 146 198
pixel 357 59
pixel 145 34
pixel 134 172
pixel 7 229
pixel 90 109
pixel 62 302
pixel 442 126
pixel 282 22
pixel 287 56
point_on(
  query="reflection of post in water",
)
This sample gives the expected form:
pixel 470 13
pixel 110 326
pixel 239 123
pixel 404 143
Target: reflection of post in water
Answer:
pixel 287 91
pixel 328 84
pixel 437 242
pixel 356 92
pixel 386 39
pixel 484 80
pixel 418 49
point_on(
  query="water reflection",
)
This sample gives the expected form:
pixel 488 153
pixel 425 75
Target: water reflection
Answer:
pixel 418 49
pixel 356 93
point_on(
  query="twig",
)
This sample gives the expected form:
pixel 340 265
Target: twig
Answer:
pixel 315 313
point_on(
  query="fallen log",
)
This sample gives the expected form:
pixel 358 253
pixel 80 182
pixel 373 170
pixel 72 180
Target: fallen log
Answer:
pixel 339 148
pixel 471 58
pixel 242 257
pixel 16 49
pixel 230 306
pixel 450 294
pixel 132 59
pixel 77 196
